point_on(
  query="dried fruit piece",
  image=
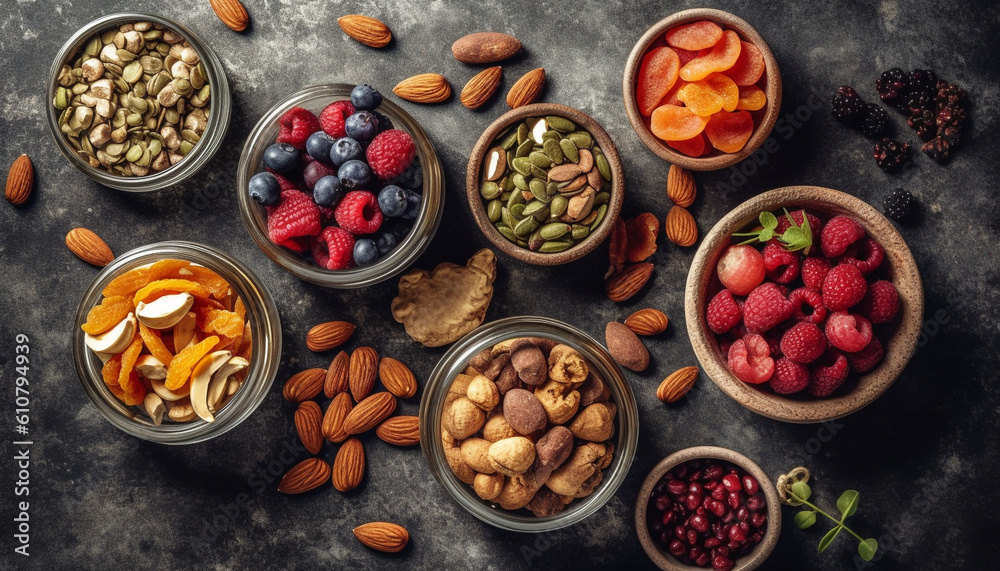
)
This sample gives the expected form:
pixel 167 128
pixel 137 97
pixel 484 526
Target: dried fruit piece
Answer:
pixel 127 379
pixel 224 323
pixel 728 132
pixel 383 536
pixel 694 36
pixel 715 93
pixel 618 245
pixel 135 279
pixel 109 313
pixel 675 123
pixel 752 98
pixel 89 247
pixel 681 188
pixel 693 147
pixel 183 362
pixel 749 66
pixel 365 29
pixel 647 321
pixel 170 285
pixel 641 234
pixel 657 74
pixel 722 57
pixel 526 89
pixel 681 227
pixel 155 344
pixel 216 284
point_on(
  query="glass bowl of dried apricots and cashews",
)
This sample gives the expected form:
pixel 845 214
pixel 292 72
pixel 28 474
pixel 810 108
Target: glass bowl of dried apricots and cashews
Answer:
pixel 176 342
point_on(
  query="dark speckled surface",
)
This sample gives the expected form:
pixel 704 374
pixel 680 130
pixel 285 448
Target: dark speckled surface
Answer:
pixel 923 456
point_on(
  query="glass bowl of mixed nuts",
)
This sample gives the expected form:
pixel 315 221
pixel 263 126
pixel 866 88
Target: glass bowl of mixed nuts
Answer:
pixel 529 424
pixel 137 102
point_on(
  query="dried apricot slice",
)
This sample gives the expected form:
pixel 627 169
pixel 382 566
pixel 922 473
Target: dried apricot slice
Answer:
pixel 618 244
pixel 223 323
pixel 693 147
pixel 715 93
pixel 675 123
pixel 670 98
pixel 687 55
pixel 215 283
pixel 722 57
pixel 129 356
pixel 155 344
pixel 641 234
pixel 748 67
pixel 694 36
pixel 135 391
pixel 728 132
pixel 657 74
pixel 109 313
pixel 752 98
pixel 169 285
pixel 134 280
pixel 109 372
pixel 182 363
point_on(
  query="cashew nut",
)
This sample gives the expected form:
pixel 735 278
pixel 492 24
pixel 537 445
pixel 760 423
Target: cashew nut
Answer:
pixel 114 340
pixel 154 407
pixel 201 376
pixel 151 368
pixel 160 388
pixel 184 332
pixel 165 312
pixel 217 389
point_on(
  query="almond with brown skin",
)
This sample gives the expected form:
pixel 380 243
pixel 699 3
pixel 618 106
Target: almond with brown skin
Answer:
pixel 329 335
pixel 308 474
pixel 20 179
pixel 681 227
pixel 89 247
pixel 365 29
pixel 424 88
pixel 333 420
pixel 349 465
pixel 397 378
pixel 383 536
pixel 626 283
pixel 677 384
pixel 232 13
pixel 400 430
pixel 308 423
pixel 369 413
pixel 337 375
pixel 485 47
pixel 361 371
pixel 680 186
pixel 304 385
pixel 647 321
pixel 481 87
pixel 626 347
pixel 526 89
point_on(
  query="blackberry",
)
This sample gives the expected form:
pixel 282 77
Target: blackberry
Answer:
pixel 948 94
pixel 890 154
pixel 938 148
pixel 950 120
pixel 898 204
pixel 921 80
pixel 875 120
pixel 924 122
pixel 847 105
pixel 891 86
pixel 915 101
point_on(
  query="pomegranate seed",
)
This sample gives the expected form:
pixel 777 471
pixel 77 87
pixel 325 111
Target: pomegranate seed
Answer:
pixel 681 532
pixel 696 552
pixel 712 542
pixel 713 472
pixel 728 516
pixel 694 488
pixel 755 503
pixel 721 563
pixel 677 548
pixel 668 518
pixel 744 527
pixel 710 485
pixel 750 484
pixel 692 501
pixel 703 560
pixel 732 482
pixel 676 487
pixel 734 499
pixel 692 536
pixel 742 513
pixel 719 493
pixel 699 523
pixel 721 550
pixel 736 534
pixel 718 508
pixel 663 502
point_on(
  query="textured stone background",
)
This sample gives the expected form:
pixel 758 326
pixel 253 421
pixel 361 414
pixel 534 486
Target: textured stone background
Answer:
pixel 920 456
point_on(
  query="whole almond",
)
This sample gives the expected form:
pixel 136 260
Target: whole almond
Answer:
pixel 680 186
pixel 397 378
pixel 424 88
pixel 333 420
pixel 361 371
pixel 308 474
pixel 681 227
pixel 308 423
pixel 481 87
pixel 365 29
pixel 337 375
pixel 676 384
pixel 369 413
pixel 647 321
pixel 400 430
pixel 383 536
pixel 89 247
pixel 626 283
pixel 20 179
pixel 526 89
pixel 626 348
pixel 304 385
pixel 328 335
pixel 485 47
pixel 232 13
pixel 349 465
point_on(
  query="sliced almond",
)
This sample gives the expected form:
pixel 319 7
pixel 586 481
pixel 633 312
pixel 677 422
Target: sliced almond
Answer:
pixel 165 311
pixel 114 340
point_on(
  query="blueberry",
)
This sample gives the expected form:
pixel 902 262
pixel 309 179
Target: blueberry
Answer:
pixel 355 174
pixel 365 97
pixel 384 123
pixel 328 191
pixel 318 146
pixel 346 149
pixel 365 252
pixel 264 188
pixel 386 242
pixel 392 200
pixel 361 126
pixel 412 206
pixel 411 178
pixel 281 157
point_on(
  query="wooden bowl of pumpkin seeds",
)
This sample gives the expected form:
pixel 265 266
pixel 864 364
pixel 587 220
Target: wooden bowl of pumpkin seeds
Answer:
pixel 544 183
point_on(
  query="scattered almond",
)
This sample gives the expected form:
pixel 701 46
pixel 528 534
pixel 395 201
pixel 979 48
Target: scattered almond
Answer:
pixel 307 475
pixel 400 430
pixel 336 375
pixel 361 371
pixel 626 348
pixel 367 30
pixel 485 47
pixel 304 385
pixel 424 88
pixel 329 335
pixel 397 378
pixel 677 384
pixel 333 420
pixel 308 423
pixel 647 321
pixel 681 227
pixel 481 87
pixel 383 536
pixel 20 179
pixel 680 186
pixel 526 89
pixel 89 247
pixel 626 283
pixel 349 465
pixel 369 413
pixel 232 13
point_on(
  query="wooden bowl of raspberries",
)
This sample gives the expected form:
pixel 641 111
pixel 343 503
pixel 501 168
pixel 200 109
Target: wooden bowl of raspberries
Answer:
pixel 803 319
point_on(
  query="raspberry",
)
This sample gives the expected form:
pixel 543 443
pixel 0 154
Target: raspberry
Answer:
pixel 390 152
pixel 750 360
pixel 782 266
pixel 839 233
pixel 723 312
pixel 881 302
pixel 867 258
pixel 296 126
pixel 848 332
pixel 284 182
pixel 828 373
pixel 789 377
pixel 295 215
pixel 334 248
pixel 803 343
pixel 765 308
pixel 843 287
pixel 814 270
pixel 866 359
pixel 812 298
pixel 358 213
pixel 331 119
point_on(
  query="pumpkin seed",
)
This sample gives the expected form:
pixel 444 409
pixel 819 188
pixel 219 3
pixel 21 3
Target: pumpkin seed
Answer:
pixel 554 230
pixel 600 216
pixel 490 190
pixel 506 218
pixel 133 154
pixel 538 172
pixel 132 72
pixel 580 232
pixel 602 198
pixel 507 233
pixel 517 211
pixel 558 205
pixel 536 208
pixel 508 139
pixel 524 149
pixel 535 241
pixel 515 198
pixel 522 133
pixel 493 210
pixel 560 123
pixel 603 166
pixel 555 246
pixel 553 150
pixel 537 188
pixel 525 227
pixel 550 135
pixel 540 160
pixel 581 139
pixel 520 181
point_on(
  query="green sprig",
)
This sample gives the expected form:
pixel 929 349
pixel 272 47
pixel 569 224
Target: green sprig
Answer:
pixel 795 237
pixel 798 494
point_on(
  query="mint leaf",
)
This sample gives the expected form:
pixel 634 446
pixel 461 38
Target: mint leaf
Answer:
pixel 768 221
pixel 805 519
pixel 801 490
pixel 848 503
pixel 867 548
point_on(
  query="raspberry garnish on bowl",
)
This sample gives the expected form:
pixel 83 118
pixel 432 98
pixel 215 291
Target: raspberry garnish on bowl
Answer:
pixel 296 125
pixel 358 212
pixel 295 215
pixel 390 152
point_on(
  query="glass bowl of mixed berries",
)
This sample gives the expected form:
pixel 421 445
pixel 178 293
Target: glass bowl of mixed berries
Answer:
pixel 340 187
pixel 804 304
